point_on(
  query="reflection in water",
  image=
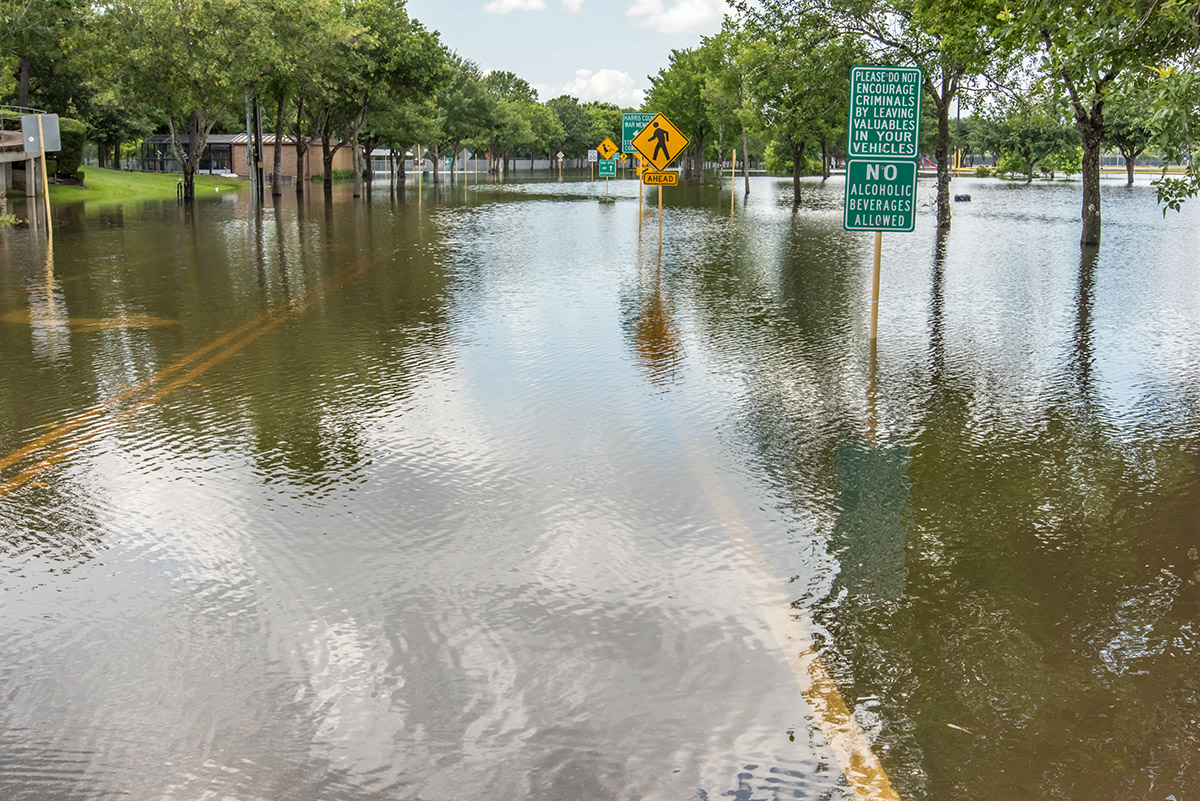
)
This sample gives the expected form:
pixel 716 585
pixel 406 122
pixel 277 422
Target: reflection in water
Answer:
pixel 397 505
pixel 654 337
pixel 47 314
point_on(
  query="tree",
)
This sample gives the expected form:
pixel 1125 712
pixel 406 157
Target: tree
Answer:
pixel 1027 130
pixel 796 74
pixel 1088 45
pixel 548 133
pixel 389 54
pixel 574 122
pixel 1127 127
pixel 188 58
pixel 465 109
pixel 678 92
pixel 952 41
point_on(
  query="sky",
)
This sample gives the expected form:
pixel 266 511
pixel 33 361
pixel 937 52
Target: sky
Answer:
pixel 592 49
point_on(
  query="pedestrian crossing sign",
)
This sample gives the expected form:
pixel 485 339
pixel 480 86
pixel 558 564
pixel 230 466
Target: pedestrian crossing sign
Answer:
pixel 660 142
pixel 607 148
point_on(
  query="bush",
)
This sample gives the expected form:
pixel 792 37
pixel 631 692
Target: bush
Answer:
pixel 68 159
pixel 983 171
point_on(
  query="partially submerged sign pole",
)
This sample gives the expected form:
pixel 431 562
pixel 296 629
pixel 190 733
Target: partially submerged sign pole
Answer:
pixel 660 143
pixel 40 133
pixel 882 147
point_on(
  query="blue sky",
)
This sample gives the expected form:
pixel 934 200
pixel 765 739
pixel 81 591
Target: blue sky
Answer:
pixel 593 49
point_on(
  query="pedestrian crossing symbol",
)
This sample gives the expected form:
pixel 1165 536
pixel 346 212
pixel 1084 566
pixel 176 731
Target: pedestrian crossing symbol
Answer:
pixel 607 148
pixel 660 142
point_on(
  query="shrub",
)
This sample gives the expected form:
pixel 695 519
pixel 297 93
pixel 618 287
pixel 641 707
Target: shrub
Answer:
pixel 983 171
pixel 68 159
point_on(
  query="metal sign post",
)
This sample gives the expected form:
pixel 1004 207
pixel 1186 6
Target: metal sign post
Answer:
pixel 39 134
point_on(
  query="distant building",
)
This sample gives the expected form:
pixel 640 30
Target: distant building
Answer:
pixel 225 154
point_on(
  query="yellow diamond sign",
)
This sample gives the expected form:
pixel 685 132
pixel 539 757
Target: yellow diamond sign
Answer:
pixel 659 142
pixel 607 148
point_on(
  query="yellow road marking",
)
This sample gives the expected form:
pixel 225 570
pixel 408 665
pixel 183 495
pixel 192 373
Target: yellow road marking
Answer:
pixel 250 331
pixel 845 736
pixel 25 317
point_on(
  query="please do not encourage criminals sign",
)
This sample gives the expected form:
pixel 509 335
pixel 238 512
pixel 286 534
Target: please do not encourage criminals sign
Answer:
pixel 885 112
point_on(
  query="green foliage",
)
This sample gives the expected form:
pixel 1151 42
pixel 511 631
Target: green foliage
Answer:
pixel 1067 160
pixel 73 134
pixel 574 121
pixel 983 171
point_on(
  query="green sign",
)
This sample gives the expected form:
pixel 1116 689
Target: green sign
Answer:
pixel 632 122
pixel 608 168
pixel 885 113
pixel 880 195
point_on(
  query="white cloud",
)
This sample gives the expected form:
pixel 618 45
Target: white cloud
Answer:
pixel 612 86
pixel 505 6
pixel 681 16
pixel 573 6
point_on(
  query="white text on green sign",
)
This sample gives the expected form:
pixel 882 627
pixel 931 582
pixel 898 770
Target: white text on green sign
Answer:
pixel 632 122
pixel 608 168
pixel 880 195
pixel 885 112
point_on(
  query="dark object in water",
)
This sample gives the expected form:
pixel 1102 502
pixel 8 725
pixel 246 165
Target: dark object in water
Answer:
pixel 963 198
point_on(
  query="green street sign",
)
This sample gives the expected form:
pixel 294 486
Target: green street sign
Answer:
pixel 880 196
pixel 885 112
pixel 608 168
pixel 632 123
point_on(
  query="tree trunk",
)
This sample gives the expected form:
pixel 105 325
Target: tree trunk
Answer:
pixel 301 147
pixel 437 174
pixel 258 149
pixel 941 154
pixel 23 85
pixel 101 155
pixel 824 161
pixel 356 162
pixel 117 156
pixel 797 161
pixel 1090 129
pixel 1130 155
pixel 327 164
pixel 745 161
pixel 277 171
pixel 1028 171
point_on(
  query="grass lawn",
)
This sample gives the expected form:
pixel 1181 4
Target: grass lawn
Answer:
pixel 116 185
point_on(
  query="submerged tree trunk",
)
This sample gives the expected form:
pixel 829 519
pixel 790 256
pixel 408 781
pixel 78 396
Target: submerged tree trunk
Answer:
pixel 197 136
pixel 745 160
pixel 301 147
pixel 824 161
pixel 1091 179
pixel 941 153
pixel 797 163
pixel 1130 155
pixel 277 167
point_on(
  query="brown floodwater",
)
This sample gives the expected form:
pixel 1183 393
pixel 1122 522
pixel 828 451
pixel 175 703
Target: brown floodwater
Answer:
pixel 467 493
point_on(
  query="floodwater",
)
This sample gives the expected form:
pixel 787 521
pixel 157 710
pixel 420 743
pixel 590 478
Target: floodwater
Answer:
pixel 468 494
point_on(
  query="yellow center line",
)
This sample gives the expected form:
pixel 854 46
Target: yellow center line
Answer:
pixel 250 331
pixel 850 745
